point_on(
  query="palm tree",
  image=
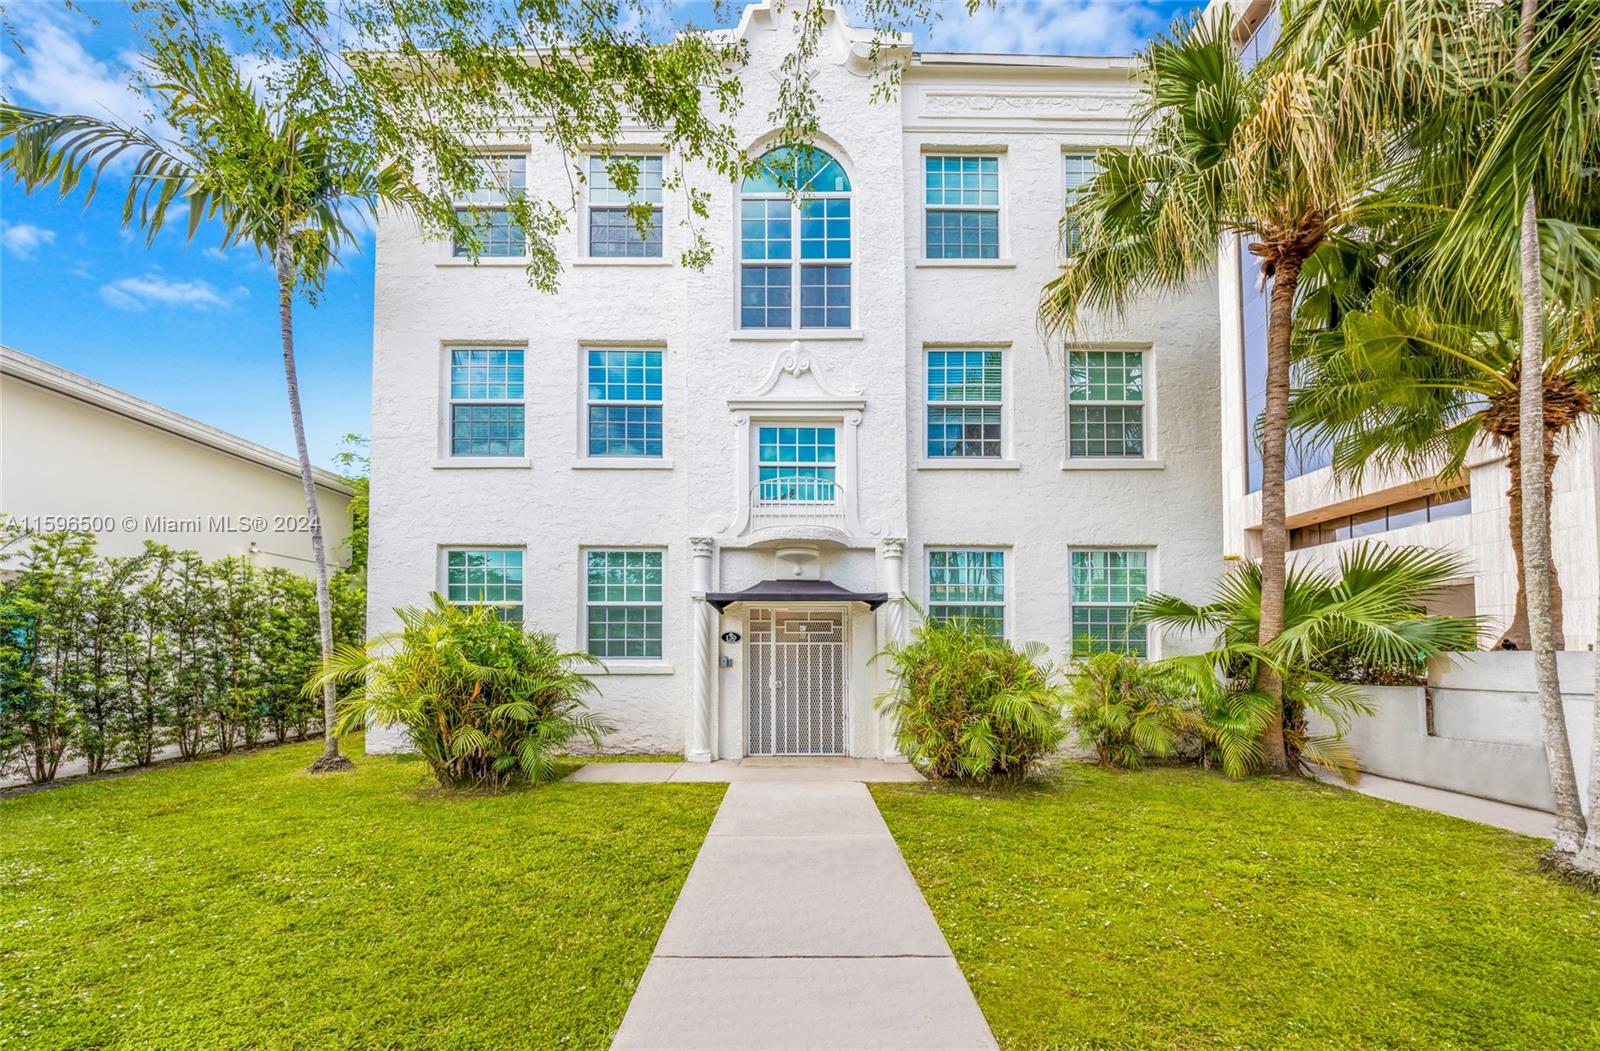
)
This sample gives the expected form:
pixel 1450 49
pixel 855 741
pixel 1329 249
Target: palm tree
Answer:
pixel 1368 617
pixel 1493 111
pixel 1222 151
pixel 278 177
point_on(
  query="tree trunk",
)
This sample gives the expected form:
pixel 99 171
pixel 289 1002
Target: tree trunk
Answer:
pixel 1518 631
pixel 330 759
pixel 1274 533
pixel 1536 505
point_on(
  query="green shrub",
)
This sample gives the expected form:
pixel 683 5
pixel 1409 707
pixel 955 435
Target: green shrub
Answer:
pixel 483 700
pixel 970 705
pixel 1125 709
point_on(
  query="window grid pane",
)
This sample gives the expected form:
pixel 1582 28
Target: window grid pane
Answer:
pixel 1078 169
pixel 1106 403
pixel 970 586
pixel 624 395
pixel 963 235
pixel 487 416
pixel 485 577
pixel 613 234
pixel 603 189
pixel 956 181
pixel 775 270
pixel 797 464
pixel 764 297
pixel 824 296
pixel 964 403
pixel 623 594
pixel 500 178
pixel 1105 587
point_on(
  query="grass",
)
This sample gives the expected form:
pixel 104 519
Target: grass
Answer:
pixel 1174 908
pixel 243 903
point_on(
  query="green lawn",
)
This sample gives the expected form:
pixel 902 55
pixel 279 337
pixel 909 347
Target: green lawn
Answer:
pixel 1173 908
pixel 242 903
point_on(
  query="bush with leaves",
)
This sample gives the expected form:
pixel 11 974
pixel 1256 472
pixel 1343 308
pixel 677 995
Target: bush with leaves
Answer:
pixel 967 704
pixel 1372 612
pixel 1128 710
pixel 484 701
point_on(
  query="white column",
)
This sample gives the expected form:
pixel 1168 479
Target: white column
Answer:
pixel 894 628
pixel 701 643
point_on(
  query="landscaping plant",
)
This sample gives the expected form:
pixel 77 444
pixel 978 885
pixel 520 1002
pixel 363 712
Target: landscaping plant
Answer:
pixel 1371 612
pixel 1126 709
pixel 484 701
pixel 967 704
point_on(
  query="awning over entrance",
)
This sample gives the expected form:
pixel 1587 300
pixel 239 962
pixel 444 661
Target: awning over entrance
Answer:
pixel 784 591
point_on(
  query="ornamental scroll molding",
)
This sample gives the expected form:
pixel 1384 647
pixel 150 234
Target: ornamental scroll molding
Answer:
pixel 1028 104
pixel 794 377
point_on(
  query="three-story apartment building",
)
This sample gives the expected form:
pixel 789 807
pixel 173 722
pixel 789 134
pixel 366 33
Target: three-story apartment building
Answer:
pixel 731 484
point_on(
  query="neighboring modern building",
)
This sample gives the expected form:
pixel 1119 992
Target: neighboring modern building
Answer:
pixel 731 484
pixel 78 454
pixel 1327 516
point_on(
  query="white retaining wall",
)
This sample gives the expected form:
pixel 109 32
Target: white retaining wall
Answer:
pixel 1485 736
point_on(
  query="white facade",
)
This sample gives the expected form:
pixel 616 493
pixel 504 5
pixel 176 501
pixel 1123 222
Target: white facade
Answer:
pixel 700 509
pixel 76 454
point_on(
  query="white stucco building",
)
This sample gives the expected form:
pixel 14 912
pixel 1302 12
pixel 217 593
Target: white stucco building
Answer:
pixel 76 454
pixel 730 483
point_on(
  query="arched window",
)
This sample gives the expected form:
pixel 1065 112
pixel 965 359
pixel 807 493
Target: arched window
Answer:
pixel 773 276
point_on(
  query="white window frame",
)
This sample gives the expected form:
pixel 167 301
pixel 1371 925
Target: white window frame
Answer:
pixel 1006 556
pixel 658 208
pixel 925 455
pixel 998 208
pixel 462 204
pixel 1069 192
pixel 585 458
pixel 447 453
pixel 795 263
pixel 622 665
pixel 442 571
pixel 1149 455
pixel 1151 638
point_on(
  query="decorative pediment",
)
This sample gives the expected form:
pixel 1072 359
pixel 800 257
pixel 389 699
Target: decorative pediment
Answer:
pixel 796 381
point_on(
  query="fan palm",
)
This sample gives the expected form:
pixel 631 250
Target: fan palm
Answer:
pixel 279 178
pixel 481 700
pixel 1223 150
pixel 1370 613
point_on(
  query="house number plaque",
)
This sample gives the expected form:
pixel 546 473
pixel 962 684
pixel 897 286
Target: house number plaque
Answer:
pixel 730 637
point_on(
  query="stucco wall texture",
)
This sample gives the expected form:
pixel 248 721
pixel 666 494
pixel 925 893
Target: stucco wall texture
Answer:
pixel 1032 503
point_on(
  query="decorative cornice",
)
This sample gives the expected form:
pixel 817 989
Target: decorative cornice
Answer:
pixel 1026 104
pixel 796 364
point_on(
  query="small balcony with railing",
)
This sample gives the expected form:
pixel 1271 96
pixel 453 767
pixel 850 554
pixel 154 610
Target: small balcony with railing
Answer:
pixel 796 503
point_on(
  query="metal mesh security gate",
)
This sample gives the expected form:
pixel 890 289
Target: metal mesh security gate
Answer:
pixel 796 704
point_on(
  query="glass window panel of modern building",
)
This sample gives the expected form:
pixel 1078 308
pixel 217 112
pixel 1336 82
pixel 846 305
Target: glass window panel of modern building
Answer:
pixel 624 402
pixel 1077 170
pixel 622 604
pixel 485 577
pixel 968 586
pixel 487 413
pixel 964 404
pixel 613 231
pixel 501 177
pixel 1105 404
pixel 962 198
pixel 797 464
pixel 777 275
pixel 1106 585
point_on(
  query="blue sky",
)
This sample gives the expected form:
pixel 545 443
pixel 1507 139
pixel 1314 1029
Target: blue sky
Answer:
pixel 195 329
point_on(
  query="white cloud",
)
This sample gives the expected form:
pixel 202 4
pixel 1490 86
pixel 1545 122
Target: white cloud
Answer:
pixel 55 72
pixel 1051 27
pixel 23 239
pixel 141 293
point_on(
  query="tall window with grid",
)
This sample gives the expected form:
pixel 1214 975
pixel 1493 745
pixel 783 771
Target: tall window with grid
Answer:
pixel 773 276
pixel 622 603
pixel 501 178
pixel 613 231
pixel 797 464
pixel 624 401
pixel 1105 404
pixel 1106 584
pixel 487 414
pixel 1078 169
pixel 962 198
pixel 969 586
pixel 485 577
pixel 964 404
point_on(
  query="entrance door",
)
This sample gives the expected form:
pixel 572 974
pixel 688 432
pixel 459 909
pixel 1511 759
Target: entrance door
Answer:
pixel 796 690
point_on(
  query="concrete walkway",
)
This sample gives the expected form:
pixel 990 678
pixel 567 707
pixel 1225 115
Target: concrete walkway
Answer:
pixel 1527 821
pixel 800 927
